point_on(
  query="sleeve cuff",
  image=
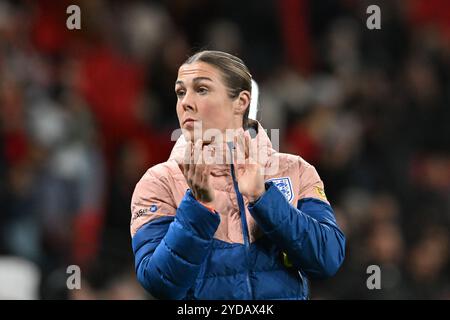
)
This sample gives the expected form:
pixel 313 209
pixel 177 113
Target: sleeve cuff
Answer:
pixel 196 217
pixel 269 210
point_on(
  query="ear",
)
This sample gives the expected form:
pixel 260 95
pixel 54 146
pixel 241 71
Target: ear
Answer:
pixel 242 103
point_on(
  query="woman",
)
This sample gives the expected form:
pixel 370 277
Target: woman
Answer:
pixel 251 223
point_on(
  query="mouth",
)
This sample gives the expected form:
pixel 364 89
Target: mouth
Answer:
pixel 188 120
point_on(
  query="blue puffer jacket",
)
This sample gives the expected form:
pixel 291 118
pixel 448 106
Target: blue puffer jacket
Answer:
pixel 265 250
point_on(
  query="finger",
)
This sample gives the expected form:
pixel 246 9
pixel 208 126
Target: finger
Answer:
pixel 246 142
pixel 184 166
pixel 199 166
pixel 205 175
pixel 248 148
pixel 210 191
pixel 187 152
pixel 198 151
pixel 191 165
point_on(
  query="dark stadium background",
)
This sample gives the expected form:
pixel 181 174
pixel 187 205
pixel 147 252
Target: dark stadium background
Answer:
pixel 84 113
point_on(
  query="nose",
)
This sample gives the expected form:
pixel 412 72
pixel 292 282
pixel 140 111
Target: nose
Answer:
pixel 188 102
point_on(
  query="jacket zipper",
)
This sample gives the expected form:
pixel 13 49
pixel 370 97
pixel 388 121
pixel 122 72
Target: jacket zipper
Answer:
pixel 244 228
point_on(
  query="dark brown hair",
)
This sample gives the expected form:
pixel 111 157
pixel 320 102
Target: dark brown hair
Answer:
pixel 234 72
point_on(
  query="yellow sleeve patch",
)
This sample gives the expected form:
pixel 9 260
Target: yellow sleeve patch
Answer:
pixel 321 193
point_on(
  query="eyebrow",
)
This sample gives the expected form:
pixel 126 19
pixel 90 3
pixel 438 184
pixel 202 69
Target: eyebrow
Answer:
pixel 197 79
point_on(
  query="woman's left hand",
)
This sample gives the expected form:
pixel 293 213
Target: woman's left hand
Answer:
pixel 250 176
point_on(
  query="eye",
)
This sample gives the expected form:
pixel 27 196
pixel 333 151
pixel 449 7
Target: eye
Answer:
pixel 180 92
pixel 202 90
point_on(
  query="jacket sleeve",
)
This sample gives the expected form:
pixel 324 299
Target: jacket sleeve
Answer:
pixel 170 248
pixel 308 234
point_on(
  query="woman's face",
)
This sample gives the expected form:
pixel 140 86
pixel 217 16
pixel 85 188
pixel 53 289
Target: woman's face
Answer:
pixel 203 97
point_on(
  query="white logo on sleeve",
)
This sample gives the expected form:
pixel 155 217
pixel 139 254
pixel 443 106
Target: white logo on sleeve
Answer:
pixel 285 186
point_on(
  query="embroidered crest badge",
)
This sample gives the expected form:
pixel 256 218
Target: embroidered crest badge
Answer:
pixel 285 186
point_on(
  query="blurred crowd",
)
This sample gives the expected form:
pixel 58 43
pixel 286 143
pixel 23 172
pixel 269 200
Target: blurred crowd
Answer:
pixel 84 113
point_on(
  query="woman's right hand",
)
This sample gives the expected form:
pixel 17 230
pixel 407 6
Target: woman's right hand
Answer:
pixel 197 173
